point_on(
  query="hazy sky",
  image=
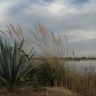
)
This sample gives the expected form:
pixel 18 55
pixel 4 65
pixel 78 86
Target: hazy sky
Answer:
pixel 75 17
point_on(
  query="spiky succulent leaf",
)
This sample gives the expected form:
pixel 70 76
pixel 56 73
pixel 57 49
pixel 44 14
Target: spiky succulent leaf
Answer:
pixel 14 64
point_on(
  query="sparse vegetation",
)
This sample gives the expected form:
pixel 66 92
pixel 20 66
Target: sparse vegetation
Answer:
pixel 18 67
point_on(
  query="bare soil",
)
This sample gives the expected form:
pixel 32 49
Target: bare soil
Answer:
pixel 48 91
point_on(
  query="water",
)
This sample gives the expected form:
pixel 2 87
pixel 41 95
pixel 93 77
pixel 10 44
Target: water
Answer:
pixel 83 66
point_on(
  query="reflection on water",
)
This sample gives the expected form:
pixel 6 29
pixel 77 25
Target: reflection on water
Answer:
pixel 82 66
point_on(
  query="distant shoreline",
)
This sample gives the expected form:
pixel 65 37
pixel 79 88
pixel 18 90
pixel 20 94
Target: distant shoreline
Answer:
pixel 69 58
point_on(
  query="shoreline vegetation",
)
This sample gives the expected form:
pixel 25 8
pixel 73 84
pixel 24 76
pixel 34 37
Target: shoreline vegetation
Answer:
pixel 21 76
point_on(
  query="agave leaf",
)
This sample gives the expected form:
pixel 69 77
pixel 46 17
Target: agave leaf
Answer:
pixel 4 80
pixel 13 63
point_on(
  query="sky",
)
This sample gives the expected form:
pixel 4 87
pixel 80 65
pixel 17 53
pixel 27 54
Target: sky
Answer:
pixel 76 18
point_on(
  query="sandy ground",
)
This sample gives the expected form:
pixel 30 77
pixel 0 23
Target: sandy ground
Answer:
pixel 49 91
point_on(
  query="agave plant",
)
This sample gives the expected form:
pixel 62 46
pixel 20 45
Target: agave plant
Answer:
pixel 14 64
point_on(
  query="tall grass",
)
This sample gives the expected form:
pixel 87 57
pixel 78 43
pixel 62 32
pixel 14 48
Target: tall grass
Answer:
pixel 50 44
pixel 53 71
pixel 52 48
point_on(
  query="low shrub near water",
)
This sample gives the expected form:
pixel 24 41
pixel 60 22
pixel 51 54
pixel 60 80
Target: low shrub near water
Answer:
pixel 51 74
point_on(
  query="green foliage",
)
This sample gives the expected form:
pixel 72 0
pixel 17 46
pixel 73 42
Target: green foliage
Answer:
pixel 14 65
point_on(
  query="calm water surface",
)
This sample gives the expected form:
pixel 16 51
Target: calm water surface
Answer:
pixel 82 66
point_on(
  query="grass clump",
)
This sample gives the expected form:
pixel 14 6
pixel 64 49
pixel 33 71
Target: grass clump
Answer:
pixel 52 70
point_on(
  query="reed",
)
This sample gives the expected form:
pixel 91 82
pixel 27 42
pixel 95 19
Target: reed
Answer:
pixel 52 48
